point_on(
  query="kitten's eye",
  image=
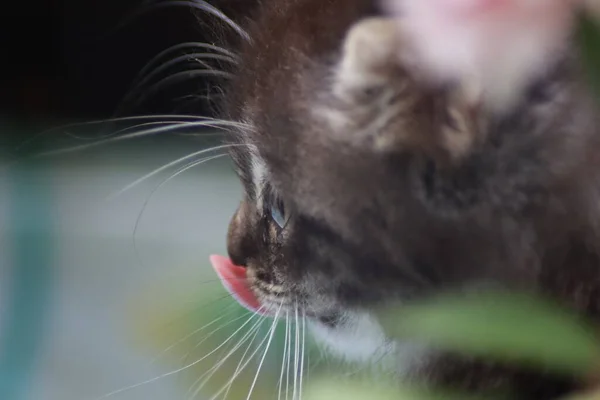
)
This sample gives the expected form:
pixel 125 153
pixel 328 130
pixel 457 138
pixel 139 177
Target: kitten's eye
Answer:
pixel 278 213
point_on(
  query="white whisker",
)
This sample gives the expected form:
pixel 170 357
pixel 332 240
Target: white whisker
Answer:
pixel 217 124
pixel 296 354
pixel 129 128
pixel 170 165
pixel 198 57
pixel 238 368
pixel 183 76
pixel 178 370
pixel 202 6
pixel 160 185
pixel 234 377
pixel 182 46
pixel 262 360
pixel 230 381
pixel 208 96
pixel 255 329
pixel 196 331
pixel 148 76
pixel 285 350
pixel 160 117
pixel 302 354
pixel 208 336
pixel 289 358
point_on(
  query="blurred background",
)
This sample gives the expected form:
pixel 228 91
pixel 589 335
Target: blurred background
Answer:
pixel 93 286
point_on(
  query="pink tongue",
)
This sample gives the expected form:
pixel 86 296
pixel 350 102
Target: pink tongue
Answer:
pixel 234 280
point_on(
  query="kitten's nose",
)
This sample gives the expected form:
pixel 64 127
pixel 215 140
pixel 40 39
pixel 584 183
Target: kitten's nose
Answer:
pixel 236 256
pixel 240 245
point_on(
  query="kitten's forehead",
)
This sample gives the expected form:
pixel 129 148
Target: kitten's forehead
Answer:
pixel 251 169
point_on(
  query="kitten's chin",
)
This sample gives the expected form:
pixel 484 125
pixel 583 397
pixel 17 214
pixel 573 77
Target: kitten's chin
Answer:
pixel 357 336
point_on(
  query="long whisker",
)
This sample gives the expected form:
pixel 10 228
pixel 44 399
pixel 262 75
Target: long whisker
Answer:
pixel 176 371
pixel 217 124
pixel 168 166
pixel 182 46
pixel 205 6
pixel 143 80
pixel 296 354
pixel 145 205
pixel 184 359
pixel 196 331
pixel 302 354
pixel 127 129
pixel 203 306
pixel 160 117
pixel 207 96
pixel 179 77
pixel 198 4
pixel 238 368
pixel 198 57
pixel 262 360
pixel 254 329
pixel 289 358
pixel 285 351
pixel 308 364
pixel 233 378
pixel 165 181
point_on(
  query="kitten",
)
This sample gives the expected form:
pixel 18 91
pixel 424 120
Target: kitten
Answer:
pixel 365 185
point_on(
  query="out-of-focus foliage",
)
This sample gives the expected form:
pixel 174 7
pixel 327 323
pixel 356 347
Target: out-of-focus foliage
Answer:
pixel 501 326
pixel 588 36
pixel 334 389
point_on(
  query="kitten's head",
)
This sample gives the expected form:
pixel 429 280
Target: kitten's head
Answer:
pixel 363 185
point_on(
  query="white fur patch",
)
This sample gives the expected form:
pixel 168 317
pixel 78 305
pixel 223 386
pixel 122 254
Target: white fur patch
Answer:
pixel 359 337
pixel 371 46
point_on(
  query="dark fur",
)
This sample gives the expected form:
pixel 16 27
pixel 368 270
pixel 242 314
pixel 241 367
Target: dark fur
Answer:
pixel 371 223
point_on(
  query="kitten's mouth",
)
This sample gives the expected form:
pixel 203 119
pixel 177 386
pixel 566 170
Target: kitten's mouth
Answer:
pixel 234 279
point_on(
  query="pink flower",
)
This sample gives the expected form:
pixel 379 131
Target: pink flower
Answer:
pixel 496 44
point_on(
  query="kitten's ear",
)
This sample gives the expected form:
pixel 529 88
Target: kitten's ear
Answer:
pixel 378 77
pixel 370 55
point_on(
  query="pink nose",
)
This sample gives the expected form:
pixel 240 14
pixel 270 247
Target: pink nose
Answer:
pixel 234 280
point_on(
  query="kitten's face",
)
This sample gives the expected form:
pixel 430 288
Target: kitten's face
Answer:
pixel 363 186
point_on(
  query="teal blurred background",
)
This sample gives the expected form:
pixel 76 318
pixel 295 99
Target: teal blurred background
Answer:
pixel 69 264
pixel 83 310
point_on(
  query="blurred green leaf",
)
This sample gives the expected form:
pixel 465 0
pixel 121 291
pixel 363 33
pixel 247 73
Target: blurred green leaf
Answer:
pixel 507 327
pixel 593 395
pixel 334 389
pixel 588 37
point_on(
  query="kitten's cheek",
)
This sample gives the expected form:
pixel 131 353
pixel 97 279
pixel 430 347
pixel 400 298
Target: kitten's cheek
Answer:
pixel 234 279
pixel 358 337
